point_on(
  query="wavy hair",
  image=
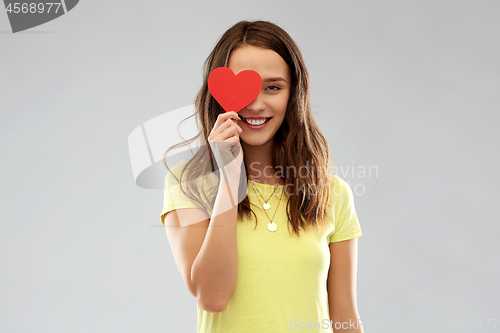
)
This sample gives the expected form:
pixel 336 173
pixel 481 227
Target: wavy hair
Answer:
pixel 298 143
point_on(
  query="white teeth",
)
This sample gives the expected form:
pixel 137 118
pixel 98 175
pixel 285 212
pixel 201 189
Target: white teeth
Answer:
pixel 255 122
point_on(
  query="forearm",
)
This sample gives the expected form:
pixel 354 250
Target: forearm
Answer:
pixel 215 269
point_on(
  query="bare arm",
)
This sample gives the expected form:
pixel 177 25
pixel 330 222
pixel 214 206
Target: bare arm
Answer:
pixel 206 252
pixel 341 286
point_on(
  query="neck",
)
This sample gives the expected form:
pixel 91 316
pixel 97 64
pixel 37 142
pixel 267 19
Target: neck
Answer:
pixel 259 163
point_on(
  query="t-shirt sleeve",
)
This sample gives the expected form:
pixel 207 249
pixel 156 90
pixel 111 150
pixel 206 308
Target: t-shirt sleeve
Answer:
pixel 346 220
pixel 173 198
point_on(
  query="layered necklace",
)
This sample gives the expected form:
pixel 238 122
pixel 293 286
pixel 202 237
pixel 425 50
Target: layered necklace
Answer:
pixel 271 226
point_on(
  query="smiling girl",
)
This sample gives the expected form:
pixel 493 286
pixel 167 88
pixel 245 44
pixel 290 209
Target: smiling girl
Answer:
pixel 261 249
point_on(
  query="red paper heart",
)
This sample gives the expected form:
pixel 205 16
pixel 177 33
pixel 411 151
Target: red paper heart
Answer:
pixel 234 92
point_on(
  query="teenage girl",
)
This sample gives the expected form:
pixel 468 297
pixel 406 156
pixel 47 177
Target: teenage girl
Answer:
pixel 283 256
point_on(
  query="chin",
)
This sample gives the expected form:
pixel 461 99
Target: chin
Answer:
pixel 254 142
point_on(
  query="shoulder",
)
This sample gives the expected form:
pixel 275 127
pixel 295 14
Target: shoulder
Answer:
pixel 340 191
pixel 177 170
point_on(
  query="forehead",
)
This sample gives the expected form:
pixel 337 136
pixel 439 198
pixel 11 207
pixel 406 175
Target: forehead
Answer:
pixel 266 62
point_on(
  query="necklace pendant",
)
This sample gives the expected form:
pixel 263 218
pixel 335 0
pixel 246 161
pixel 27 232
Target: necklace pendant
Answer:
pixel 271 226
pixel 266 206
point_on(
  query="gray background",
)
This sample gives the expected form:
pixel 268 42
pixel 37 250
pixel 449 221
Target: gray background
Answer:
pixel 410 87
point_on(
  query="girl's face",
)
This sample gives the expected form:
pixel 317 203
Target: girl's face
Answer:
pixel 273 98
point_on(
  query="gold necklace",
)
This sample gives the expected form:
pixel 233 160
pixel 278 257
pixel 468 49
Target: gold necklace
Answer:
pixel 266 204
pixel 271 226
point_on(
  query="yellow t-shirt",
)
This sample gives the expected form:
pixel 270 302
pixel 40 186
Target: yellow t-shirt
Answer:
pixel 281 285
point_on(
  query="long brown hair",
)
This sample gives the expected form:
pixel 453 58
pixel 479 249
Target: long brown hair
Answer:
pixel 298 143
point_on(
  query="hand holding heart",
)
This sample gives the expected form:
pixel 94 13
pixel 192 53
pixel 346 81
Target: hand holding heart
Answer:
pixel 233 93
pixel 225 143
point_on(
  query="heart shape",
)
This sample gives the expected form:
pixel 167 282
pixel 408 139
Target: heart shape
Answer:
pixel 234 92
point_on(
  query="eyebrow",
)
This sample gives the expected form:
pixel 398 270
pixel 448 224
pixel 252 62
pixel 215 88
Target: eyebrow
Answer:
pixel 278 78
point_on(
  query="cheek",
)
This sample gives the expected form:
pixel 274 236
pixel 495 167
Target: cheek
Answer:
pixel 280 103
pixel 284 106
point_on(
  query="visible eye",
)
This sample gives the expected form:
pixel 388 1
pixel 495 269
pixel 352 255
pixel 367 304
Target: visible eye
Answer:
pixel 273 88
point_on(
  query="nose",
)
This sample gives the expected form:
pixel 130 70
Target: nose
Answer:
pixel 257 104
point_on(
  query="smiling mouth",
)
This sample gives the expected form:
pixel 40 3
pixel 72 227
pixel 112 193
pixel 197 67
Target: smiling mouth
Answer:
pixel 256 123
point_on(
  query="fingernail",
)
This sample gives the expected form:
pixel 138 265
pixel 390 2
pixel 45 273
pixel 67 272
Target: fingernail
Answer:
pixel 241 117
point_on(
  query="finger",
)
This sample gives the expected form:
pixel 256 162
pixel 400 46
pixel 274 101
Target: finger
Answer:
pixel 224 134
pixel 224 120
pixel 221 120
pixel 234 117
pixel 229 132
pixel 236 126
pixel 232 122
